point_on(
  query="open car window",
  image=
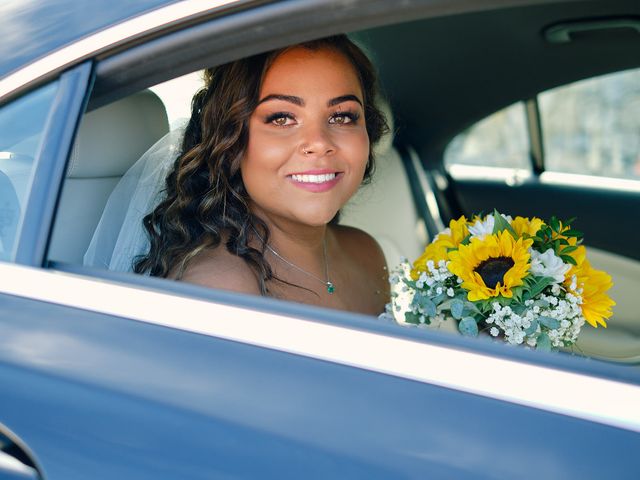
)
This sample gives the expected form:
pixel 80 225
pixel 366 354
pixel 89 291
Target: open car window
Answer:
pixel 124 121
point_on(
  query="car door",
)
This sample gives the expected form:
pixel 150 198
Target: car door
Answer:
pixel 111 374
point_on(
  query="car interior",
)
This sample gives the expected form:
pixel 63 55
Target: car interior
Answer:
pixel 440 76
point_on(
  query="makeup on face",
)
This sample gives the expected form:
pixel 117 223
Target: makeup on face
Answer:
pixel 308 145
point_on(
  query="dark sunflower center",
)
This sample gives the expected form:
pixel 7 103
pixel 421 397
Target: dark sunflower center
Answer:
pixel 492 270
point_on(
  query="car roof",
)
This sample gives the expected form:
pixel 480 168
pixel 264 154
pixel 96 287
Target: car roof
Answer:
pixel 31 29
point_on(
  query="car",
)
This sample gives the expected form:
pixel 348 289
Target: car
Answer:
pixel 109 374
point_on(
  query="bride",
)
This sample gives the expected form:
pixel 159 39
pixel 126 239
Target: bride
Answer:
pixel 276 144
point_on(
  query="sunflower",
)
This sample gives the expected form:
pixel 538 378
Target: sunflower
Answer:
pixel 491 266
pixel 439 248
pixel 522 225
pixel 596 304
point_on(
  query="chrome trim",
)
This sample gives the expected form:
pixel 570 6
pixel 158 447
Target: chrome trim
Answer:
pixel 105 39
pixel 604 401
pixel 591 181
pixel 511 176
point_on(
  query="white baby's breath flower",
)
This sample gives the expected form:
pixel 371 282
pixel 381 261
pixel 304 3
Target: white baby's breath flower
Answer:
pixel 494 331
pixel 547 264
pixel 450 292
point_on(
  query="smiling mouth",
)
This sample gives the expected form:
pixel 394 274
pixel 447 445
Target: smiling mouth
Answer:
pixel 309 178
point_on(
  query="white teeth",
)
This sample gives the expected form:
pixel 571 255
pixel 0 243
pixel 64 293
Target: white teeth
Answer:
pixel 314 178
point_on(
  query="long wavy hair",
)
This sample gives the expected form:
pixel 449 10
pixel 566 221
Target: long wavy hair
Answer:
pixel 205 199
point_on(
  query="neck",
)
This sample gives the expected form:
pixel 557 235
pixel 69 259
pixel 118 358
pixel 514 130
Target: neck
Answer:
pixel 302 245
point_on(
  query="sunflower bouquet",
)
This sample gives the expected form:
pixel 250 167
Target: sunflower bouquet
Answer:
pixel 520 279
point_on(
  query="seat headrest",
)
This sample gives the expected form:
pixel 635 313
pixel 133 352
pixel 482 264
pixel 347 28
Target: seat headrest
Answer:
pixel 112 138
pixel 385 143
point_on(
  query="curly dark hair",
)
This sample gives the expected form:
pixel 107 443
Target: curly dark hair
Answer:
pixel 204 193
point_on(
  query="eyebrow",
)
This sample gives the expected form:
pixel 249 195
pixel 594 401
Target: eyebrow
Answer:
pixel 344 98
pixel 300 102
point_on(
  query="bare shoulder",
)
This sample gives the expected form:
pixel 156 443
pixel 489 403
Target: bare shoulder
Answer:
pixel 359 244
pixel 218 268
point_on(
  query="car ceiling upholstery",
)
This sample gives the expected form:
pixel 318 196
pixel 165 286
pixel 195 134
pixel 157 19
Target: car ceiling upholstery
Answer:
pixel 443 74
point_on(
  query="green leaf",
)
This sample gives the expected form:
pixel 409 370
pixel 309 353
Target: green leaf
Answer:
pixel 569 249
pixel 468 327
pixel 412 318
pixel 555 224
pixel 540 284
pixel 457 306
pixel 549 322
pixel 518 309
pixel 466 240
pixel 543 343
pixel 500 224
pixel 573 233
pixel 568 259
pixel 517 293
pixel 471 307
pixel 410 283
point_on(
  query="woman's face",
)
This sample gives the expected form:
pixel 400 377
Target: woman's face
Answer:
pixel 308 143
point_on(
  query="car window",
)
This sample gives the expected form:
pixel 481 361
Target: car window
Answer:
pixel 593 126
pixel 499 140
pixel 22 123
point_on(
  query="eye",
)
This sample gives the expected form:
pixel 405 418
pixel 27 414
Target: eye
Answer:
pixel 280 119
pixel 343 118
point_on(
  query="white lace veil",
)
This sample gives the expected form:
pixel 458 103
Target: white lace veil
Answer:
pixel 120 236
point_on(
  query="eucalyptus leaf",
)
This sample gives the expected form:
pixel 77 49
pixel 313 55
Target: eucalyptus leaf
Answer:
pixel 541 303
pixel 468 327
pixel 427 306
pixel 457 306
pixel 446 305
pixel 438 299
pixel 549 322
pixel 543 343
pixel 532 328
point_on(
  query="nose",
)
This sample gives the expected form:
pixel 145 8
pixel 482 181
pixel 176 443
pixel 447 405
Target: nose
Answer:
pixel 316 140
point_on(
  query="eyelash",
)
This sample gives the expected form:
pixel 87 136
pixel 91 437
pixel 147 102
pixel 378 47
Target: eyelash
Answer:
pixel 352 116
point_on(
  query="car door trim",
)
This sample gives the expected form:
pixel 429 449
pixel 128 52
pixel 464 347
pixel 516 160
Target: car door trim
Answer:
pixel 605 401
pixel 108 38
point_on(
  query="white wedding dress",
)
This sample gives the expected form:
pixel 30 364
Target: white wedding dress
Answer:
pixel 120 236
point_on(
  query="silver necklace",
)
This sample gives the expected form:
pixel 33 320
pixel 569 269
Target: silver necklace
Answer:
pixel 327 283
